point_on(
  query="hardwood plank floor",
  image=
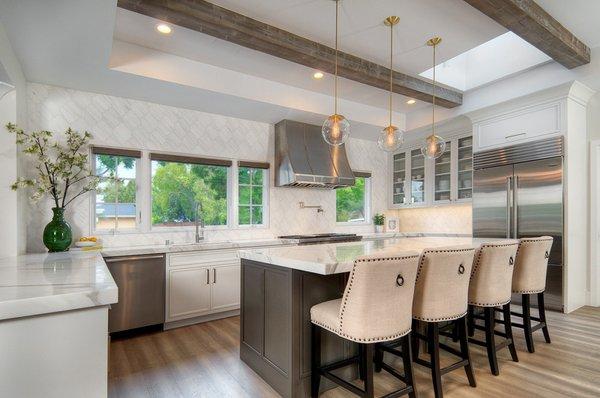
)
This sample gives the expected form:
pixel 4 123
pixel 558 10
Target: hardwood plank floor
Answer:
pixel 203 361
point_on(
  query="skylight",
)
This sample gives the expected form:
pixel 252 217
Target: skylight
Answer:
pixel 502 56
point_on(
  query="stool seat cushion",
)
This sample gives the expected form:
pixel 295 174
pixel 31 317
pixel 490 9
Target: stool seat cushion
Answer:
pixel 327 315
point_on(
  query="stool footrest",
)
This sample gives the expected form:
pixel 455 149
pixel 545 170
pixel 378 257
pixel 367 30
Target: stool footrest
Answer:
pixel 339 364
pixel 454 366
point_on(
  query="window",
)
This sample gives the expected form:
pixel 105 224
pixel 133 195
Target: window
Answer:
pixel 181 184
pixel 352 203
pixel 251 195
pixel 115 200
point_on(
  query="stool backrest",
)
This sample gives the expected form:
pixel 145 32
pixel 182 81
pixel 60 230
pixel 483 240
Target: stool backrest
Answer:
pixel 377 302
pixel 442 284
pixel 531 265
pixel 491 278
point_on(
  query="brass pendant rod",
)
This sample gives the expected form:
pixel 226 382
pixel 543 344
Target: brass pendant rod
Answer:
pixel 335 84
pixel 391 68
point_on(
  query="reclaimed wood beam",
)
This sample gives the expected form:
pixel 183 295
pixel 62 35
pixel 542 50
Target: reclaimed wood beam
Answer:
pixel 210 19
pixel 530 21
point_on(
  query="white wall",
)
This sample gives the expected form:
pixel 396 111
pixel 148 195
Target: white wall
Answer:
pixel 142 125
pixel 12 109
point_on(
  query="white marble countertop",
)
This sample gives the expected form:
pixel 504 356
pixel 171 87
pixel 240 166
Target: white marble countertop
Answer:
pixel 337 258
pixel 190 247
pixel 35 284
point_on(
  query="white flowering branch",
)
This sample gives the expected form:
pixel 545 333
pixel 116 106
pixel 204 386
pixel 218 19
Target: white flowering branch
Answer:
pixel 60 167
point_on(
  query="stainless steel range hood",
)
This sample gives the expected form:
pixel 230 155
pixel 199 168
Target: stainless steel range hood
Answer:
pixel 304 159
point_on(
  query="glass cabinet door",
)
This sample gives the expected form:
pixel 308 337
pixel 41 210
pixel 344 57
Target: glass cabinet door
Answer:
pixel 399 179
pixel 443 176
pixel 417 176
pixel 465 168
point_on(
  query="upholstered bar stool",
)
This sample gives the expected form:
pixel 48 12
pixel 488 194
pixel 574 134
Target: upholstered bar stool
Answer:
pixel 441 294
pixel 490 287
pixel 529 278
pixel 376 307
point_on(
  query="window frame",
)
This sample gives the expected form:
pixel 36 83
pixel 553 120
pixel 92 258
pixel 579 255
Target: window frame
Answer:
pixel 117 152
pixel 367 202
pixel 265 200
pixel 186 228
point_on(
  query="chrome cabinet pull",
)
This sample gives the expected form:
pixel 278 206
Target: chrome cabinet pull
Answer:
pixel 207 276
pixel 514 135
pixel 214 275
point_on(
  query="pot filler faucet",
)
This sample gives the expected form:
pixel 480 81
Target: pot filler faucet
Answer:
pixel 199 222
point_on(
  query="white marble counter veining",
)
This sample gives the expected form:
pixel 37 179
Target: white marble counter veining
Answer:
pixel 190 247
pixel 35 284
pixel 337 258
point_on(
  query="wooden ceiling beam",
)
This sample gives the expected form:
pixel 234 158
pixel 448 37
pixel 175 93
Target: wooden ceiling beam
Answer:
pixel 210 19
pixel 530 21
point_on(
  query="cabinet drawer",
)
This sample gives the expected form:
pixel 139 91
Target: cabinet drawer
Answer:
pixel 518 127
pixel 211 257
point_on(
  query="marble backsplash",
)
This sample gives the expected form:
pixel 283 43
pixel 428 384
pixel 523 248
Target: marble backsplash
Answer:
pixel 451 219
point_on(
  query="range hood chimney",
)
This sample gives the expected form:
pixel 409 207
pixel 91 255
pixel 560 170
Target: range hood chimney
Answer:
pixel 304 159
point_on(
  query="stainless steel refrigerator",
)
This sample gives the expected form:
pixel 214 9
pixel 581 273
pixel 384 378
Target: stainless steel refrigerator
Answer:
pixel 517 193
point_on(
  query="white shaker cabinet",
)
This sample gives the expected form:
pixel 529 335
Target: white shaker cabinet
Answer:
pixel 202 283
pixel 189 292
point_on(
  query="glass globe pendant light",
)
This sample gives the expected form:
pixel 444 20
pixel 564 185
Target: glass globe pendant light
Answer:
pixel 434 144
pixel 391 138
pixel 336 128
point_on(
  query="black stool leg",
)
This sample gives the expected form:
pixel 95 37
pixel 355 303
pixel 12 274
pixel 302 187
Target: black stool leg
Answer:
pixel 315 377
pixel 378 360
pixel 434 352
pixel 542 310
pixel 367 361
pixel 414 339
pixel 407 360
pixel 527 323
pixel 471 321
pixel 490 340
pixel 464 349
pixel 361 362
pixel 508 332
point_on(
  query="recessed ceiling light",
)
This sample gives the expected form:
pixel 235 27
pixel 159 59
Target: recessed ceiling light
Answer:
pixel 410 101
pixel 318 75
pixel 163 28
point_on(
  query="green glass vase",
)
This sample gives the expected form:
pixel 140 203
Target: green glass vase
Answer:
pixel 57 234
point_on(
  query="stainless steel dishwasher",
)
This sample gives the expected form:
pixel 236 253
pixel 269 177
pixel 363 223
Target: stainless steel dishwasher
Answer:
pixel 141 283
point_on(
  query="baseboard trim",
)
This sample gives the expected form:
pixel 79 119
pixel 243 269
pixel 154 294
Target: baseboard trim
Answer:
pixel 201 319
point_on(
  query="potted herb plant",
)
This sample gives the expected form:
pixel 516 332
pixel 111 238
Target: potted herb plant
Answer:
pixel 379 220
pixel 61 171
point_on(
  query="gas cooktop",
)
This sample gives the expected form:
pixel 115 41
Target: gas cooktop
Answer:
pixel 322 238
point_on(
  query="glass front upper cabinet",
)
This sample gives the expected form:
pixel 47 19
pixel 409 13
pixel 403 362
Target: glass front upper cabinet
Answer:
pixel 417 176
pixel 443 175
pixel 399 177
pixel 465 168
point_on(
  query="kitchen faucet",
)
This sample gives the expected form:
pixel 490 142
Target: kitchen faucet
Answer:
pixel 199 222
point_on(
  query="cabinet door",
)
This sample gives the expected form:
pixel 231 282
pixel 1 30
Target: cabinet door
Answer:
pixel 417 177
pixel 189 292
pixel 225 287
pixel 442 176
pixel 465 169
pixel 399 197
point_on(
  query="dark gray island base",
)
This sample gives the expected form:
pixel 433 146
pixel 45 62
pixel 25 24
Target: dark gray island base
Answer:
pixel 275 324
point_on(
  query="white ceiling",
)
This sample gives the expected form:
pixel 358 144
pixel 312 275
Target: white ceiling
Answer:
pixel 70 43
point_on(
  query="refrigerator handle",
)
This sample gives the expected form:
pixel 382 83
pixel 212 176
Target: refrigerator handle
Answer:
pixel 508 205
pixel 515 205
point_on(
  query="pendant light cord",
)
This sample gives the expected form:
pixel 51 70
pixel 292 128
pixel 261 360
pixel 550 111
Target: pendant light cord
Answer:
pixel 335 84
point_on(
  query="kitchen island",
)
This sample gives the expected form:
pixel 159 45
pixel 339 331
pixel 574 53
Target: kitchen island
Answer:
pixel 280 285
pixel 54 325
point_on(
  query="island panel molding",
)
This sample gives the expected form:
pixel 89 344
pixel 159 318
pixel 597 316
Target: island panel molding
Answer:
pixel 210 19
pixel 532 23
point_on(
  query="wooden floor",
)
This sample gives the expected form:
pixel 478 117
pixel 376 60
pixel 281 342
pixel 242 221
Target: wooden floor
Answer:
pixel 203 361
